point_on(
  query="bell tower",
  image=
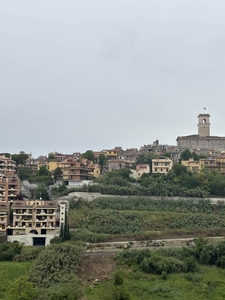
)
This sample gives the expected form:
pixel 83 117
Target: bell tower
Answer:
pixel 203 125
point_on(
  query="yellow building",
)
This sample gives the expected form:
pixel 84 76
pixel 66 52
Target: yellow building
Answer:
pixel 220 163
pixel 94 170
pixel 113 153
pixel 208 163
pixel 161 165
pixel 50 164
pixel 192 165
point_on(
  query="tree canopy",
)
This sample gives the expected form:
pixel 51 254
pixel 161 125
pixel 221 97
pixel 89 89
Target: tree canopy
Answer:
pixel 20 159
pixel 102 159
pixel 57 173
pixel 24 173
pixel 89 155
pixel 41 192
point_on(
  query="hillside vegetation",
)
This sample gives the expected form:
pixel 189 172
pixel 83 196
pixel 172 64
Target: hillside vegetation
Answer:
pixel 139 218
pixel 187 273
pixel 177 182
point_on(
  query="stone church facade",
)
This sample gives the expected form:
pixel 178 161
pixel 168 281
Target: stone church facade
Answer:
pixel 203 140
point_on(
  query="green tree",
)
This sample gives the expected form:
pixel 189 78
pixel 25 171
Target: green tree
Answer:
pixel 167 154
pixel 22 289
pixel 89 155
pixel 43 171
pixel 178 169
pixel 51 156
pixel 57 173
pixel 185 155
pixel 24 173
pixel 102 159
pixel 140 159
pixel 65 230
pixel 41 192
pixel 20 159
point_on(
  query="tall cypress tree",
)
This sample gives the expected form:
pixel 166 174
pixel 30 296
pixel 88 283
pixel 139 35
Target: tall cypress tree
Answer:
pixel 66 231
pixel 61 234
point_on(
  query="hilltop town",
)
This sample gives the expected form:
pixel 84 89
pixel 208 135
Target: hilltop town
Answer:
pixel 29 186
pixel 158 196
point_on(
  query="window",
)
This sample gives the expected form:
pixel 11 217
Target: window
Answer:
pixel 2 219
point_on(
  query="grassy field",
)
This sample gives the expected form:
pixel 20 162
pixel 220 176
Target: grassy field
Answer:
pixel 9 271
pixel 208 283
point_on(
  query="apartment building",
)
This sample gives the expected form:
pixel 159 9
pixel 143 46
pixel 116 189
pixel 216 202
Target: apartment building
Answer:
pixel 214 164
pixel 34 222
pixel 192 165
pixel 4 216
pixel 75 169
pixel 9 182
pixel 220 163
pixel 112 153
pixel 161 165
pixel 118 164
pixel 34 216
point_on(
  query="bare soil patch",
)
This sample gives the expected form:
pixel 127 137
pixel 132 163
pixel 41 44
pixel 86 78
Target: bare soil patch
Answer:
pixel 96 267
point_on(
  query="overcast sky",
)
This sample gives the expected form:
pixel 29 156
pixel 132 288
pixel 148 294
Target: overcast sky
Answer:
pixel 94 74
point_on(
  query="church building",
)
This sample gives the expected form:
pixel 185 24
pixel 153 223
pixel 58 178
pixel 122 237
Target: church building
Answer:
pixel 203 140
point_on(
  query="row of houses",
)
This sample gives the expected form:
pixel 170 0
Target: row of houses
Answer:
pixel 212 164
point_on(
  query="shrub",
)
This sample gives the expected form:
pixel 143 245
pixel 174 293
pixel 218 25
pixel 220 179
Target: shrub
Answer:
pixel 190 264
pixel 27 253
pixel 9 250
pixel 54 262
pixel 84 235
pixel 163 275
